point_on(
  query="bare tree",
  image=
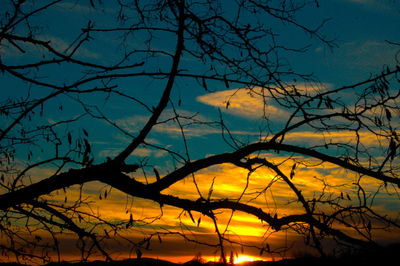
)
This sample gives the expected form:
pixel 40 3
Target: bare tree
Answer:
pixel 148 57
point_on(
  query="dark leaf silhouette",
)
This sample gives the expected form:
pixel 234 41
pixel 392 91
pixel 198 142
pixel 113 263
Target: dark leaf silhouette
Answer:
pixel 215 96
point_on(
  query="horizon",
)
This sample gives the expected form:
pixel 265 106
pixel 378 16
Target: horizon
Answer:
pixel 296 150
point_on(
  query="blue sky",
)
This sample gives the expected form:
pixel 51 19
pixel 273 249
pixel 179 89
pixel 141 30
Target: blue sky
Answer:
pixel 361 31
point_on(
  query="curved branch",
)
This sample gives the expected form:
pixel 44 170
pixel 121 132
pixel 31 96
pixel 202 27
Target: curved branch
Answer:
pixel 236 156
pixel 107 171
pixel 165 97
pixel 206 207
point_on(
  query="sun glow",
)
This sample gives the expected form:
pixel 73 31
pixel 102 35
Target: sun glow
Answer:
pixel 242 258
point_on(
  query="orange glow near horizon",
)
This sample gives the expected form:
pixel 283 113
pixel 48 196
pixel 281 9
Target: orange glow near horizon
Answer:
pixel 229 181
pixel 242 258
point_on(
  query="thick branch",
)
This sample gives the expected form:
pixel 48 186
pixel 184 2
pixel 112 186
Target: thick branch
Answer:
pixel 206 207
pixel 63 180
pixel 236 156
pixel 105 172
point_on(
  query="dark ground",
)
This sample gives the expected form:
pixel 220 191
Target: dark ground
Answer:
pixel 287 262
pixel 387 256
pixel 359 261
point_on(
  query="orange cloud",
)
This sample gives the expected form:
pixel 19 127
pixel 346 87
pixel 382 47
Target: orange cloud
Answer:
pixel 264 190
pixel 254 103
pixel 366 138
pixel 242 103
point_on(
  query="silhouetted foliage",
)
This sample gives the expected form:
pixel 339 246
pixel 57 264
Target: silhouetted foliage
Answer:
pixel 49 155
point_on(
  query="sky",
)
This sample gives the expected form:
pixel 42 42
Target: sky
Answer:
pixel 362 31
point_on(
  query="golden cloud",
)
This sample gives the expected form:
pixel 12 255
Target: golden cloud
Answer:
pixel 365 138
pixel 242 103
pixel 264 190
pixel 256 102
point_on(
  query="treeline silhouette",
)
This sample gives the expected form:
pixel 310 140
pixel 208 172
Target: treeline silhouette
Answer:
pixel 360 258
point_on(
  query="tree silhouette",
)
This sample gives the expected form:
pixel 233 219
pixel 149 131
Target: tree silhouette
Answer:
pixel 149 57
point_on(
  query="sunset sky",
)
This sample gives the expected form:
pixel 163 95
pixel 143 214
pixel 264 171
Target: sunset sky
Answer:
pixel 361 30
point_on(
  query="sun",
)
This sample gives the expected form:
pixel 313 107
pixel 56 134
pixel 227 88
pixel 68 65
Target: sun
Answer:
pixel 242 258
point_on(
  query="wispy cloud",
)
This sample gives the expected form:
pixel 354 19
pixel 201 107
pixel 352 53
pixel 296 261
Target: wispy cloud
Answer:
pixel 369 53
pixel 84 9
pixel 365 2
pixel 377 5
pixel 55 42
pixel 366 55
pixel 140 152
pixel 198 127
pixel 75 7
pixel 242 102
pixel 255 103
pixel 61 45
pixel 197 131
pixel 366 138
